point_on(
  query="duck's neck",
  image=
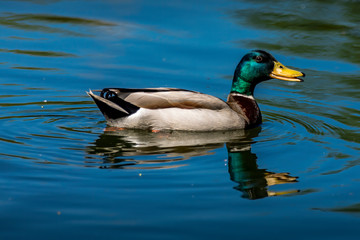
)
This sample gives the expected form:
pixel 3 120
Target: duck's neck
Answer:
pixel 246 107
pixel 242 87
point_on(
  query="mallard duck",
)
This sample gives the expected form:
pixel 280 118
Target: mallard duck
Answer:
pixel 159 109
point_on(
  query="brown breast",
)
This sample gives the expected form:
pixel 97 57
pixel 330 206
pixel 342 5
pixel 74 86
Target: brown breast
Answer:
pixel 247 107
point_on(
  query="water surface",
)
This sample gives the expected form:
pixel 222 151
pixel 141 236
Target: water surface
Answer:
pixel 65 175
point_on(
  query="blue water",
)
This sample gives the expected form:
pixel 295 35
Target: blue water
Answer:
pixel 64 176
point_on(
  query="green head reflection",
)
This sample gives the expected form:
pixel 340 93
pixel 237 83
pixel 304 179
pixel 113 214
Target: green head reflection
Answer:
pixel 252 181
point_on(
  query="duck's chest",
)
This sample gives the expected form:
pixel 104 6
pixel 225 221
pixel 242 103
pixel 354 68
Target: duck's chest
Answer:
pixel 247 107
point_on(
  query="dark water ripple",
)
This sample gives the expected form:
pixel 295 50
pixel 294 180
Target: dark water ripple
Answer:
pixel 45 22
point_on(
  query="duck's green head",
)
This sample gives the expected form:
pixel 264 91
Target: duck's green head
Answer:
pixel 258 66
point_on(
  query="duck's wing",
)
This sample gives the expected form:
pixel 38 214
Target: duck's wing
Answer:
pixel 158 98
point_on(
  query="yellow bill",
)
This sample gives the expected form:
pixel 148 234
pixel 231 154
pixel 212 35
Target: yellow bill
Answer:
pixel 283 73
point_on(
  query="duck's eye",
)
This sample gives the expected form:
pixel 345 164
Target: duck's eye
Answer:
pixel 258 59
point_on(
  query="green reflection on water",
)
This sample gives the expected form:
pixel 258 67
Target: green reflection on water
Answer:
pixel 36 68
pixel 58 19
pixel 355 208
pixel 253 181
pixel 39 53
pixel 23 21
pixel 305 28
pixel 351 209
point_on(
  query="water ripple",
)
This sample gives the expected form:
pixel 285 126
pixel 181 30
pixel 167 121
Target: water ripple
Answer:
pixel 38 53
pixel 26 22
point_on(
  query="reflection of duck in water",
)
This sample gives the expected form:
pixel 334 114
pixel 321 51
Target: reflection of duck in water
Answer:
pixel 179 109
pixel 253 182
pixel 123 149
